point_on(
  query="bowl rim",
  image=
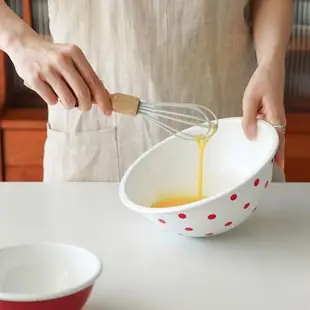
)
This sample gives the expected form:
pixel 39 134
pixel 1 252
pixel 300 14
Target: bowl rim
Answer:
pixel 148 210
pixel 32 298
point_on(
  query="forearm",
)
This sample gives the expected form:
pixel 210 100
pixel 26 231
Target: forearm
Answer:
pixel 272 24
pixel 12 27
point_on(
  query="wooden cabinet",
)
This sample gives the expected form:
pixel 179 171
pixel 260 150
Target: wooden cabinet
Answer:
pixel 2 101
pixel 23 137
pixel 1 160
pixel 23 115
pixel 297 161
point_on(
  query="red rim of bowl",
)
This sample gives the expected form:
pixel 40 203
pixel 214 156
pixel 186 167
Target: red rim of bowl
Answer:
pixel 146 210
pixel 20 297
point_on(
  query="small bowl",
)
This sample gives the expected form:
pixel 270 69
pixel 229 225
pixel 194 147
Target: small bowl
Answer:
pixel 46 276
pixel 236 173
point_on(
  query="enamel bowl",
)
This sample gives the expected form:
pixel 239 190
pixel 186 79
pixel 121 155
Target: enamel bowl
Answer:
pixel 236 174
pixel 46 276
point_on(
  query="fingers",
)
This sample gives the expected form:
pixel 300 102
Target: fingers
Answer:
pixel 78 87
pixel 95 85
pixel 63 73
pixel 62 90
pixel 249 120
pixel 43 90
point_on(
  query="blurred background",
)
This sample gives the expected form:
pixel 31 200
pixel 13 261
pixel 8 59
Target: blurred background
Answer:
pixel 23 114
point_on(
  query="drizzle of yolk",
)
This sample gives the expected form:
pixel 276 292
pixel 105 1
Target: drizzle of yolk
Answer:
pixel 174 201
pixel 202 142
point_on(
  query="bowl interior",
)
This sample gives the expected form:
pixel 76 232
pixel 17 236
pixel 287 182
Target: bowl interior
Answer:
pixel 41 271
pixel 171 167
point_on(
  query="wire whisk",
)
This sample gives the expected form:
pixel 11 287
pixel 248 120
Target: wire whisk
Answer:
pixel 165 114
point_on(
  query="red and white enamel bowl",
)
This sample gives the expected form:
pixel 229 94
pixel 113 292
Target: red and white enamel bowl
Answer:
pixel 47 276
pixel 236 174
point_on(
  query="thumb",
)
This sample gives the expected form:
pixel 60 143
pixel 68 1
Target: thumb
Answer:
pixel 106 106
pixel 107 102
pixel 249 119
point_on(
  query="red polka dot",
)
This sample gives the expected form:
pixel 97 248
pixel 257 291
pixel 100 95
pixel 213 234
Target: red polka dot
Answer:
pixel 246 205
pixel 266 184
pixel 188 228
pixel 209 234
pixel 256 182
pixel 233 197
pixel 228 224
pixel 162 221
pixel 211 216
pixel 182 216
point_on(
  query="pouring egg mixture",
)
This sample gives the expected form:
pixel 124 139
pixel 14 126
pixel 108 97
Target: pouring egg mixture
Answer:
pixel 174 201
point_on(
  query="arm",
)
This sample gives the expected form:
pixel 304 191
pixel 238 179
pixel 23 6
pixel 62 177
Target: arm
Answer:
pixel 55 71
pixel 272 24
pixel 12 27
pixel 263 97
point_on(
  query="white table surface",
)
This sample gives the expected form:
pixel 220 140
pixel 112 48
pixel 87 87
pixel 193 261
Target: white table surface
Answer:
pixel 263 264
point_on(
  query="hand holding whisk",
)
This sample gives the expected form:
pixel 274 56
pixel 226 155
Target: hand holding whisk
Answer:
pixel 159 114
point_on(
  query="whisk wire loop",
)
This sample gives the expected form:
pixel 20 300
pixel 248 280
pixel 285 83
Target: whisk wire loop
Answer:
pixel 155 113
pixel 164 114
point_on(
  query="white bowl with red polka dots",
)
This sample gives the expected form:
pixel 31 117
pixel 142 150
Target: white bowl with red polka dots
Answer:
pixel 236 174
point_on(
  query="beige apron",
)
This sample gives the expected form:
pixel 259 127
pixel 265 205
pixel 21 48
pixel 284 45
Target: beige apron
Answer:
pixel 161 50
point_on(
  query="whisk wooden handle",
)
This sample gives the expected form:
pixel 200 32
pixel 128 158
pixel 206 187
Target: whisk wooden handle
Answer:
pixel 125 104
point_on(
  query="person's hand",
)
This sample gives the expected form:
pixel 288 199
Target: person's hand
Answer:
pixel 58 72
pixel 263 99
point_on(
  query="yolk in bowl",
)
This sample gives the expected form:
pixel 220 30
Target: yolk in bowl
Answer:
pixel 174 202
